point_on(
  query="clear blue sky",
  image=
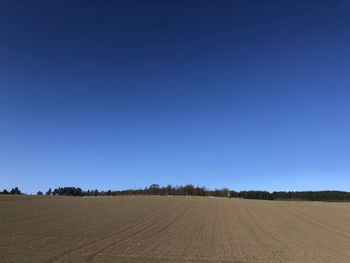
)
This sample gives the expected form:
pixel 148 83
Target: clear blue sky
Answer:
pixel 120 94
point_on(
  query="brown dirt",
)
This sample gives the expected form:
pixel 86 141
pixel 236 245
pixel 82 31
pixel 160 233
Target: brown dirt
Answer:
pixel 171 229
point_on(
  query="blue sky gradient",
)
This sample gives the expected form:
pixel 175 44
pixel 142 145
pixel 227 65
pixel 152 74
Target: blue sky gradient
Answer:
pixel 123 94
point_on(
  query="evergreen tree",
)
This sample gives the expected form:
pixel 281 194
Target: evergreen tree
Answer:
pixel 49 192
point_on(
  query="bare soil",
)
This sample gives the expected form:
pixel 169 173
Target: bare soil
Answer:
pixel 171 229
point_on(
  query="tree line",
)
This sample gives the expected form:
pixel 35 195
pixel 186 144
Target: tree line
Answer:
pixel 13 191
pixel 190 190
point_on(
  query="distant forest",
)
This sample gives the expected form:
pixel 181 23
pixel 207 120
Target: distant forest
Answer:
pixel 190 190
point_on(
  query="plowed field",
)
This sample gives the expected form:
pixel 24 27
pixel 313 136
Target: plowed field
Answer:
pixel 171 229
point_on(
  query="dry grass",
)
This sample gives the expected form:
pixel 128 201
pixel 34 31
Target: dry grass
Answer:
pixel 171 229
